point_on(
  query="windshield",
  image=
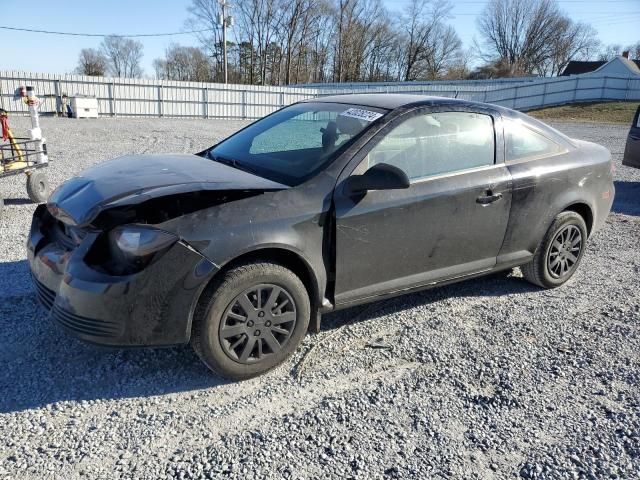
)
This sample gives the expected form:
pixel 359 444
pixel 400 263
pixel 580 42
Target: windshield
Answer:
pixel 296 142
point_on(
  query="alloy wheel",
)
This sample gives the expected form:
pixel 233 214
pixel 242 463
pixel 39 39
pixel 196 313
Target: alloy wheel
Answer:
pixel 257 323
pixel 564 252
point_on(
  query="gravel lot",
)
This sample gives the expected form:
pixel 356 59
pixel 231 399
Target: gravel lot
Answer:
pixel 490 378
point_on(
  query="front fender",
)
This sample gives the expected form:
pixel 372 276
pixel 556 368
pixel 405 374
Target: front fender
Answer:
pixel 286 221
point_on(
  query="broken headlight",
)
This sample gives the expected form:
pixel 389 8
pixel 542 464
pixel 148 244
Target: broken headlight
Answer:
pixel 133 247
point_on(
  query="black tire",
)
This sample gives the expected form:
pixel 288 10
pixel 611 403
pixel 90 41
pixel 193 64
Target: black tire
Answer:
pixel 540 271
pixel 219 307
pixel 37 187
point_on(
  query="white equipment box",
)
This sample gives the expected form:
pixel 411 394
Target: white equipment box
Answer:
pixel 84 107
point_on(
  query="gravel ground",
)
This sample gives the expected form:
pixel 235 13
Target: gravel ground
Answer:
pixel 490 378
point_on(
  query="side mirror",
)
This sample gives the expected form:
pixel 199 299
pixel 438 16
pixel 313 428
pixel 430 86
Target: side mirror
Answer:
pixel 381 176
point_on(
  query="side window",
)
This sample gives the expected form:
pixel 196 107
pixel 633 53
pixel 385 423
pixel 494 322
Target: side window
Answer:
pixel 436 143
pixel 523 142
pixel 638 118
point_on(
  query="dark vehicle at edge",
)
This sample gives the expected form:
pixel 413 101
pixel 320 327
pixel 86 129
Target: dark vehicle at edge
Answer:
pixel 631 156
pixel 322 205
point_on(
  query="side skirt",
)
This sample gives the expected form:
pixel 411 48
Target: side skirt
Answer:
pixel 505 263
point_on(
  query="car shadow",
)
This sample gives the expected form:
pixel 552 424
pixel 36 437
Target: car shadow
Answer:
pixel 42 364
pixel 497 284
pixel 627 199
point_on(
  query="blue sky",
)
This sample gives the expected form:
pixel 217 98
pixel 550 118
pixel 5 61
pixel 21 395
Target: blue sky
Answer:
pixel 617 21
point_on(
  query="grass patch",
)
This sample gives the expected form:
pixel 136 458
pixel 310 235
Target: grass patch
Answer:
pixel 610 112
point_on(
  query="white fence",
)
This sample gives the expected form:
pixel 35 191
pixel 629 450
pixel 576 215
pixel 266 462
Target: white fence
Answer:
pixel 157 98
pixel 416 83
pixel 528 94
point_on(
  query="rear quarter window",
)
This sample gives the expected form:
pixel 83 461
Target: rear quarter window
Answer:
pixel 523 142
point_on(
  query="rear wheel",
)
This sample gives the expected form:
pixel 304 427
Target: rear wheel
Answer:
pixel 559 253
pixel 255 316
pixel 37 187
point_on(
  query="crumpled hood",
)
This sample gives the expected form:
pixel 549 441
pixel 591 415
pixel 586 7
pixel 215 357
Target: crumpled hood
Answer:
pixel 133 179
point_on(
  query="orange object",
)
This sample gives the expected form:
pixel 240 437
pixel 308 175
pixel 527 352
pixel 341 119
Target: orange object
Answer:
pixel 4 120
pixel 18 160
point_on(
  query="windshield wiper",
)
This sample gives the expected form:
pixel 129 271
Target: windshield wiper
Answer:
pixel 231 162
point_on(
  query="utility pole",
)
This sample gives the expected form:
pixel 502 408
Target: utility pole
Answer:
pixel 225 22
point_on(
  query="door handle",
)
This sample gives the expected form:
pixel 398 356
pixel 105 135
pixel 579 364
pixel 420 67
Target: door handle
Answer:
pixel 488 198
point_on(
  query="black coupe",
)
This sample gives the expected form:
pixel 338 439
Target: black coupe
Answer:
pixel 322 205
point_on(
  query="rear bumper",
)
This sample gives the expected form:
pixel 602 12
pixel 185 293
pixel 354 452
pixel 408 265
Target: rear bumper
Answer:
pixel 603 207
pixel 152 307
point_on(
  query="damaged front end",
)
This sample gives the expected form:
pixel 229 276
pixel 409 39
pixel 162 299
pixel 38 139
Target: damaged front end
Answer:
pixel 130 237
pixel 103 266
pixel 145 299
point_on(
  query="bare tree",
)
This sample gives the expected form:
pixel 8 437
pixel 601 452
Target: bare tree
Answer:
pixel 442 51
pixel 91 62
pixel 123 55
pixel 424 49
pixel 359 24
pixel 204 15
pixel 494 69
pixel 634 50
pixel 458 66
pixel 299 41
pixel 183 63
pixel 609 52
pixel 297 19
pixel 573 41
pixel 531 36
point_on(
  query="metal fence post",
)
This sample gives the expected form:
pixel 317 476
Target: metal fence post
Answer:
pixel 626 92
pixel 515 97
pixel 282 99
pixel 602 89
pixel 112 97
pixel 543 102
pixel 205 102
pixel 58 99
pixel 244 104
pixel 160 112
pixel 575 89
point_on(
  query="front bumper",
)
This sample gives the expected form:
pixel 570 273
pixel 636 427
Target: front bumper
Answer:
pixel 152 307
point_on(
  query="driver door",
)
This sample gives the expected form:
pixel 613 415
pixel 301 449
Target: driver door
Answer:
pixel 450 222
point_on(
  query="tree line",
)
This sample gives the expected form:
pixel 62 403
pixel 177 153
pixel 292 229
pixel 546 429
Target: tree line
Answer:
pixel 276 42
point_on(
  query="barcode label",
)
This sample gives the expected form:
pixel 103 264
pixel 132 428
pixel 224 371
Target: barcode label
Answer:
pixel 361 114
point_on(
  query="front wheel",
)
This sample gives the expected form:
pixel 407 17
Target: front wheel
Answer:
pixel 37 187
pixel 559 253
pixel 251 320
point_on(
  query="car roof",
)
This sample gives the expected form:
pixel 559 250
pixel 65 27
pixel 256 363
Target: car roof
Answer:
pixel 390 101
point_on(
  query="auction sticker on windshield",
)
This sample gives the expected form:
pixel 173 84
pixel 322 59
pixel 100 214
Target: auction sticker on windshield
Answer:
pixel 361 114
